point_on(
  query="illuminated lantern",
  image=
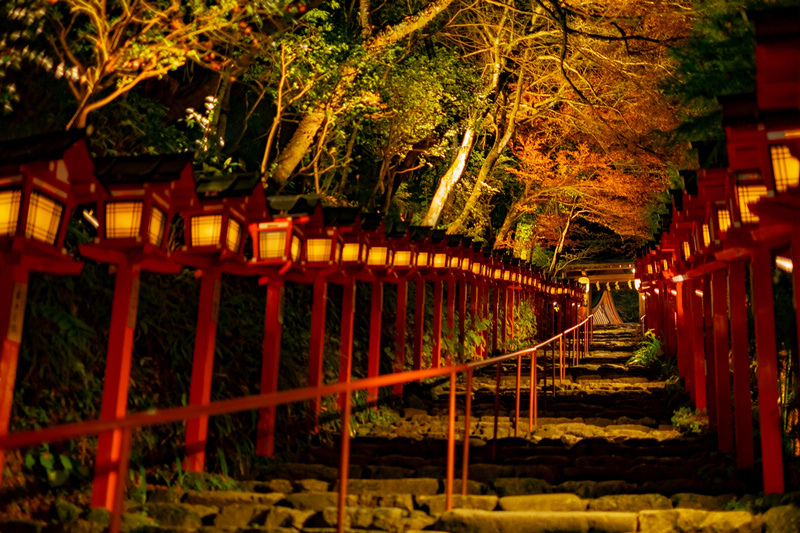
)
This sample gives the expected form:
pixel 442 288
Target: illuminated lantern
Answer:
pixel 42 179
pixel 145 193
pixel 323 243
pixel 215 229
pixel 404 258
pixel 278 241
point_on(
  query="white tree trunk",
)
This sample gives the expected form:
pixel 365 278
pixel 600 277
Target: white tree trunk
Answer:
pixel 450 179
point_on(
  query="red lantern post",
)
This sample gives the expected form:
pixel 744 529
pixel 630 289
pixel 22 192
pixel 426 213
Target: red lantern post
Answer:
pixel 145 193
pixel 214 243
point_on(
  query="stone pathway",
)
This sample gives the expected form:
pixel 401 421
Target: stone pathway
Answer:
pixel 603 458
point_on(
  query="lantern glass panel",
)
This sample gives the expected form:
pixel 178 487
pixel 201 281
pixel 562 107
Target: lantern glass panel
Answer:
pixel 439 260
pixel 318 250
pixel 158 223
pixel 507 275
pixel 351 252
pixel 649 269
pixel 476 268
pixel 706 235
pixel 497 273
pixel 295 248
pixel 9 211
pixel 123 220
pixel 206 230
pixel 785 168
pixel 402 258
pixel 44 218
pixel 666 265
pixel 234 238
pixel 465 264
pixel 272 244
pixel 724 219
pixel 454 262
pixel 687 250
pixel 748 195
pixel 422 259
pixel 377 256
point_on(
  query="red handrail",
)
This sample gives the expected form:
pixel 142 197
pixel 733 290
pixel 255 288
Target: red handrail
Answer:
pixel 260 401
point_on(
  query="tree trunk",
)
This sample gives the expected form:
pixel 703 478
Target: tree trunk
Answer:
pixel 561 240
pixel 491 159
pixel 511 217
pixel 301 141
pixel 450 179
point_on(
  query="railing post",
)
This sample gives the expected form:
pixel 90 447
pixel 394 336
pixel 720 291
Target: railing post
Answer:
pixel 344 463
pixel 562 370
pixel 374 355
pixel 766 356
pixel 115 384
pixel 13 296
pixel 696 343
pixel 270 363
pixel 740 348
pixel 467 422
pixel 400 332
pixel 202 368
pixel 317 346
pixel 451 443
pixel 346 336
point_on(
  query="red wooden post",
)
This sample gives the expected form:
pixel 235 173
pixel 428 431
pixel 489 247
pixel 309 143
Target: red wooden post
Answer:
pixel 13 296
pixel 506 321
pixel 317 345
pixel 462 316
pixel 719 289
pixel 451 316
pixel 683 333
pixel 708 351
pixel 512 306
pixel 400 332
pixel 436 349
pixel 495 318
pixel 484 313
pixel 419 323
pixel 346 336
pixel 270 363
pixel 696 347
pixel 202 368
pixel 740 352
pixel 766 355
pixel 374 355
pixel 115 384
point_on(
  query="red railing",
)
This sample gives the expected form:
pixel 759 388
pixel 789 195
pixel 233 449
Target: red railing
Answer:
pixel 180 414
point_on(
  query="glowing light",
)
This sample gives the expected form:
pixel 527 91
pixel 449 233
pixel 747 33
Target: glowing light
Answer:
pixel 206 230
pixel 785 167
pixel 784 263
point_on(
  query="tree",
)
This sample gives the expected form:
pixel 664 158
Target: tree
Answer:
pixel 569 183
pixel 317 111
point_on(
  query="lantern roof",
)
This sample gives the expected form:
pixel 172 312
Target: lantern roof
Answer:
pixel 216 185
pixel 398 230
pixel 776 24
pixel 69 146
pixel 739 109
pixel 124 170
pixel 370 221
pixel 45 147
pixel 290 206
pixel 419 233
pixel 438 236
pixel 340 216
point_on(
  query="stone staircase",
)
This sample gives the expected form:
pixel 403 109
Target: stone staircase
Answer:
pixel 603 458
